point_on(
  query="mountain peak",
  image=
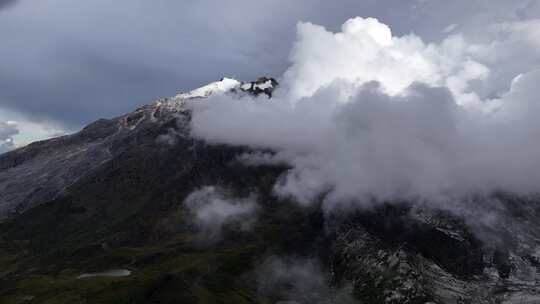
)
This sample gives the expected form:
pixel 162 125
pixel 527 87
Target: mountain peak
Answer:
pixel 224 85
pixel 262 85
pixel 25 174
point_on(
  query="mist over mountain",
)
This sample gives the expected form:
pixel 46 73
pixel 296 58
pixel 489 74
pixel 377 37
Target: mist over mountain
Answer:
pixel 377 169
pixel 377 127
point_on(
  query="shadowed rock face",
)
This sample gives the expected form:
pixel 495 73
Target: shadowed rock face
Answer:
pixel 41 171
pixel 112 197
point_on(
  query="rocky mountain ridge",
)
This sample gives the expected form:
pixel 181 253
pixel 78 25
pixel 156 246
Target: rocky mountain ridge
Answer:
pixel 42 170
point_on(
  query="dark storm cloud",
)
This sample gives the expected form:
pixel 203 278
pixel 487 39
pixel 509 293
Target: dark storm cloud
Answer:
pixel 75 62
pixel 6 3
pixel 95 86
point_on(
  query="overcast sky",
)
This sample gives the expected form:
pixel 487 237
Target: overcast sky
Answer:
pixel 65 63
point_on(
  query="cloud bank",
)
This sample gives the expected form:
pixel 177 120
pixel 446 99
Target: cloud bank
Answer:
pixel 7 131
pixel 366 115
pixel 28 129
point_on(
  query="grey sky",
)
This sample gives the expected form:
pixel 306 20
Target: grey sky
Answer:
pixel 5 3
pixel 67 63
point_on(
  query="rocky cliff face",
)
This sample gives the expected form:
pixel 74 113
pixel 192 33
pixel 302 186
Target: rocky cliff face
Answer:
pixel 112 199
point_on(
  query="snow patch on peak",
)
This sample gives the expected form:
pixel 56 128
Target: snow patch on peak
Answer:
pixel 265 85
pixel 224 85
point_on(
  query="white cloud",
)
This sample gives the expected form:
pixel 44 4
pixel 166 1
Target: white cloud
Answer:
pixel 508 49
pixel 213 210
pixel 365 51
pixel 363 116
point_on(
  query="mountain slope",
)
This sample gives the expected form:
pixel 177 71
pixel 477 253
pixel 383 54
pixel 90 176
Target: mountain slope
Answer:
pixel 114 197
pixel 41 171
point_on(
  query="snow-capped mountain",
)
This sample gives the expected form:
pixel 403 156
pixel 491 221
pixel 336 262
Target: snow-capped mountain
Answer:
pixel 135 210
pixel 41 171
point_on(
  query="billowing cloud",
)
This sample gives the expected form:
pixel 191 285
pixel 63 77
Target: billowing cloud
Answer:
pixel 72 63
pixel 364 115
pixel 365 50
